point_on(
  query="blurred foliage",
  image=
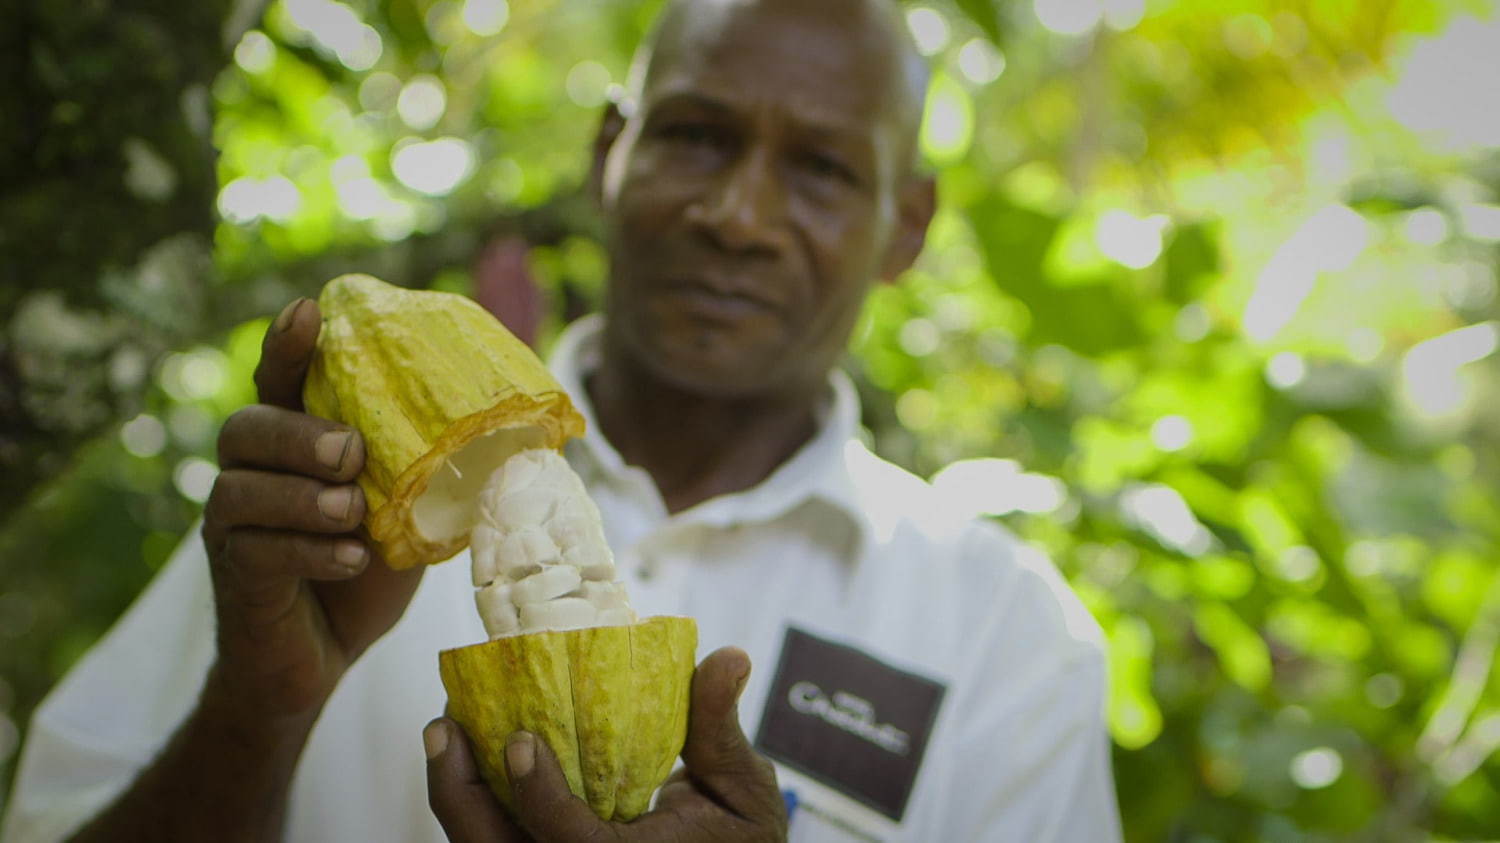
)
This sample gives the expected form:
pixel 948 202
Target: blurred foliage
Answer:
pixel 106 117
pixel 1209 315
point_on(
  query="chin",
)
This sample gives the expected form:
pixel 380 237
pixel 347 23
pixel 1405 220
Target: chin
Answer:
pixel 708 363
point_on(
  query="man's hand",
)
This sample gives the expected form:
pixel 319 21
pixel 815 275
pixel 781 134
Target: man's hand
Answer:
pixel 299 593
pixel 725 791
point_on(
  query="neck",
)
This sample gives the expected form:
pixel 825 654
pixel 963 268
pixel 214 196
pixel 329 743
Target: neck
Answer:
pixel 696 447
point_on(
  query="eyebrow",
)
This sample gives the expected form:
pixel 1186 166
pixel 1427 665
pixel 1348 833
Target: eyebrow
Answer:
pixel 693 99
pixel 822 129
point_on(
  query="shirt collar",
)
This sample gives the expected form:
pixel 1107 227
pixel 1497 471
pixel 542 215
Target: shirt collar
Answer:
pixel 819 470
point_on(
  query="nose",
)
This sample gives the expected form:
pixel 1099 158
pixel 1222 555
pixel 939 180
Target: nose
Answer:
pixel 745 211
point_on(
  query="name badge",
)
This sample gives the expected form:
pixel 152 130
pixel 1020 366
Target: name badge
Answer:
pixel 848 720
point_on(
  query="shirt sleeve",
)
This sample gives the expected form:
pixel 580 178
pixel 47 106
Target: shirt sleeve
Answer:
pixel 1033 757
pixel 117 707
pixel 1055 783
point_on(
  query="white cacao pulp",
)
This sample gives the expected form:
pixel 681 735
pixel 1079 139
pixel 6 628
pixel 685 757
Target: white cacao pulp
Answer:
pixel 539 555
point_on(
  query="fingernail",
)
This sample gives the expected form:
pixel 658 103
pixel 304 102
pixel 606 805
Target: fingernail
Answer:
pixel 288 313
pixel 334 503
pixel 435 739
pixel 739 681
pixel 349 554
pixel 520 755
pixel 332 447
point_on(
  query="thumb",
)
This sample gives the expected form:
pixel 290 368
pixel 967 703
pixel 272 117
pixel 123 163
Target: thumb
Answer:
pixel 286 352
pixel 717 755
pixel 714 738
pixel 457 793
pixel 545 806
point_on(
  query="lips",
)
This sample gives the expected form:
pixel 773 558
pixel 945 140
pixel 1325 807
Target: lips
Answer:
pixel 721 302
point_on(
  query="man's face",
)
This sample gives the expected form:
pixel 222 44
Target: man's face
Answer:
pixel 751 200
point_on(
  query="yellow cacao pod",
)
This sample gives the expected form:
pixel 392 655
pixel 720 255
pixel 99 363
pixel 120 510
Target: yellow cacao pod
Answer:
pixel 611 702
pixel 442 394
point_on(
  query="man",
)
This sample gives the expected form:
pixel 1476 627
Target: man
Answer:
pixel 918 677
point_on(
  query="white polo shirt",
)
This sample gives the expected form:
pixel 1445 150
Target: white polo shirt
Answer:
pixel 917 676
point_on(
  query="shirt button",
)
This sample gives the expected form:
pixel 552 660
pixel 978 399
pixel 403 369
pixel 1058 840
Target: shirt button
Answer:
pixel 645 568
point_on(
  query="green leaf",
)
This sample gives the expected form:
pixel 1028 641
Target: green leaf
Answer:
pixel 1090 316
pixel 1223 578
pixel 1015 241
pixel 1242 654
pixel 984 15
pixel 1134 717
pixel 1191 262
pixel 1455 586
pixel 1266 523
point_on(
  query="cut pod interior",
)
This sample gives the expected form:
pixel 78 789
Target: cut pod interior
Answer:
pixel 448 508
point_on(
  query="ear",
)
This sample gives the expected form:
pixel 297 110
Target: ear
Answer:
pixel 611 124
pixel 915 206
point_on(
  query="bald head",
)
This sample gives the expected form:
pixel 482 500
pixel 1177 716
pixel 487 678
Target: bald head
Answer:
pixel 873 31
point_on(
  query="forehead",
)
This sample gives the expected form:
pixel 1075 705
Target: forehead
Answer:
pixel 809 61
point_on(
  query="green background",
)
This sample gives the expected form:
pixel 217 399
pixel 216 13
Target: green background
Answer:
pixel 1208 315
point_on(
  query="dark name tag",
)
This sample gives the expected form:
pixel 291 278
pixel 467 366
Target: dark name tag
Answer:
pixel 848 720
